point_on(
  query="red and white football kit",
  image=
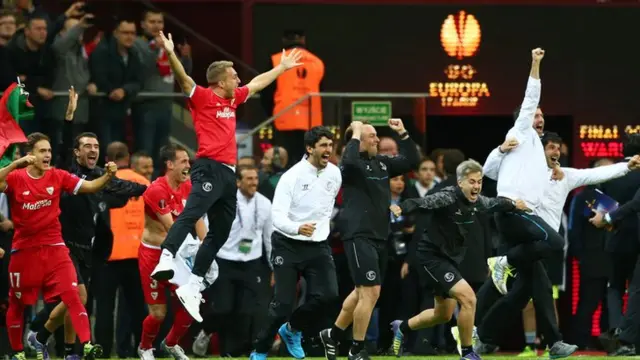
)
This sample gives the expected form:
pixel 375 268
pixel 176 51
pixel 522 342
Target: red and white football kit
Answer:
pixel 214 119
pixel 161 199
pixel 39 259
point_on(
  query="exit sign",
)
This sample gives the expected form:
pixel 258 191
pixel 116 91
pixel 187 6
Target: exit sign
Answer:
pixel 376 113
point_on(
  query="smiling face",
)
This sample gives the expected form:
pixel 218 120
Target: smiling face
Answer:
pixel 369 140
pixel 552 153
pixel 320 154
pixel 88 151
pixel 179 168
pixel 471 185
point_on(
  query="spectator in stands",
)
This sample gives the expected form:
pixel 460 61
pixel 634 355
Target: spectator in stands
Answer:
pixel 246 161
pixel 387 146
pixel 7 26
pixel 33 60
pixel 437 156
pixel 290 87
pixel 426 179
pixel 23 10
pixel 121 271
pixel 152 116
pixel 142 163
pixel 72 69
pixel 116 70
pixel 273 164
pixel 7 30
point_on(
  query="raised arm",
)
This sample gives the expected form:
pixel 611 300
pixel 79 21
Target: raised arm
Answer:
pixel 489 204
pixel 182 78
pixel 409 156
pixel 532 95
pixel 17 164
pixel 434 201
pixel 581 177
pixel 265 79
pixel 351 154
pixel 491 166
pixel 93 186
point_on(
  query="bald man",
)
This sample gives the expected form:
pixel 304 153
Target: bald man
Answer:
pixel 387 146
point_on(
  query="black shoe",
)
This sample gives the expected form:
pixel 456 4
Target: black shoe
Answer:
pixel 330 345
pixel 609 340
pixel 624 350
pixel 362 355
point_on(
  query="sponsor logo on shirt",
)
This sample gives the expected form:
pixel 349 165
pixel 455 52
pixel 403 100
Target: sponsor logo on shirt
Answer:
pixel 36 205
pixel 226 113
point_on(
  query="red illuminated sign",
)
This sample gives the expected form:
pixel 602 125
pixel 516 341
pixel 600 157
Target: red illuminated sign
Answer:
pixel 603 140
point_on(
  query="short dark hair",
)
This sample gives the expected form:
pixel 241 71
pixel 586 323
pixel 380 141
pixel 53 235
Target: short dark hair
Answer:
pixel 242 169
pixel 6 13
pixel 631 145
pixel 170 151
pixel 550 137
pixel 117 151
pixel 36 16
pixel 139 154
pixel 76 141
pixel 424 160
pixel 451 158
pixel 312 136
pixel 33 139
pixel 146 13
pixel 516 112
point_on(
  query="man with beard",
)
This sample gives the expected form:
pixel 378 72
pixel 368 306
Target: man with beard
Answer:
pixel 301 216
pixel 550 210
pixel 81 215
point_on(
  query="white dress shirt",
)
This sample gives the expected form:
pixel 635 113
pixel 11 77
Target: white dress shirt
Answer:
pixel 251 229
pixel 556 192
pixel 304 195
pixel 422 191
pixel 522 174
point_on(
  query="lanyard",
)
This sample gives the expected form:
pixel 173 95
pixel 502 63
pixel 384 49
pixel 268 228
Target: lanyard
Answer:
pixel 255 215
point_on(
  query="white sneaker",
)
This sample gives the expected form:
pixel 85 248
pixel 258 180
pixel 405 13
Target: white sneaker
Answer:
pixel 190 297
pixel 201 344
pixel 175 351
pixel 165 270
pixel 456 336
pixel 500 273
pixel 146 354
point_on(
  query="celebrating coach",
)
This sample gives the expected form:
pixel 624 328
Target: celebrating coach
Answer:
pixel 366 199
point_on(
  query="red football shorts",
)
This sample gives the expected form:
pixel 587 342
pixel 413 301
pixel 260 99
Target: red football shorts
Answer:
pixel 154 291
pixel 46 268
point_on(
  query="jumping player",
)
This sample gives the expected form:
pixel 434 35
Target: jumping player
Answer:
pixel 214 182
pixel 40 260
pixel 164 201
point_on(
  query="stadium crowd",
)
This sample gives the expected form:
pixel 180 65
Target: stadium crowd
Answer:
pixel 49 54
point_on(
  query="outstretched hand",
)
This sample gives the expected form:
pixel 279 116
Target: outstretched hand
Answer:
pixel 290 60
pixel 166 42
pixel 72 105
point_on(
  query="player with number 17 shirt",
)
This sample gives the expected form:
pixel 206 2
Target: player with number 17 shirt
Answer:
pixel 39 259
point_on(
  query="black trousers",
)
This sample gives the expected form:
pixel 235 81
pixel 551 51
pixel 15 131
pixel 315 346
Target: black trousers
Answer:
pixel 236 297
pixel 592 291
pixel 497 312
pixel 529 238
pixel 213 193
pixel 622 270
pixel 290 259
pixel 123 275
pixel 630 327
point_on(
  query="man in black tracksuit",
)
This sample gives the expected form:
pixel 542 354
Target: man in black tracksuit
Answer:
pixel 366 198
pixel 442 248
pixel 85 217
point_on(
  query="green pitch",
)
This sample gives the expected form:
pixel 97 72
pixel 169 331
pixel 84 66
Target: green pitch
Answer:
pixel 450 357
